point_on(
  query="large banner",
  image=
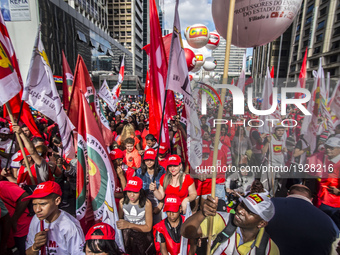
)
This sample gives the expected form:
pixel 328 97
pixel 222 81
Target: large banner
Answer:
pixel 15 10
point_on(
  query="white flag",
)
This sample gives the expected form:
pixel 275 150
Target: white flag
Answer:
pixel 105 93
pixel 41 93
pixel 178 81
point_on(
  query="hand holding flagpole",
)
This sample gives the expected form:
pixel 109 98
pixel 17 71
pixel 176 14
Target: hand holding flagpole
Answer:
pixel 21 145
pixel 220 112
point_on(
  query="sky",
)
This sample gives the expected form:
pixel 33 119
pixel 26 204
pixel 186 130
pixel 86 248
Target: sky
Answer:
pixel 191 12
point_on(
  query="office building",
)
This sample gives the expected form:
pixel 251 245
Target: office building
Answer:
pixel 126 26
pixel 235 59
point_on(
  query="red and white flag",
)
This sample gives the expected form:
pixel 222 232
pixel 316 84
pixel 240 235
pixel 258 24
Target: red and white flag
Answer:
pixel 116 89
pixel 157 73
pixel 67 82
pixel 11 82
pixel 178 81
pixel 310 125
pixel 83 82
pixel 302 76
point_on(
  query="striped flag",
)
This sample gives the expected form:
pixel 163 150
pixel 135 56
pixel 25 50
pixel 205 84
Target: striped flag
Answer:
pixel 67 82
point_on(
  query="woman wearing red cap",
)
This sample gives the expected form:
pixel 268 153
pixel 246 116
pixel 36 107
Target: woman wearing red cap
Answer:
pixel 175 181
pixel 100 239
pixel 135 213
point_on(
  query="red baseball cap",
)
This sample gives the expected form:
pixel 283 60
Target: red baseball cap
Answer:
pixel 20 156
pixel 108 232
pixel 172 203
pixel 134 184
pixel 163 148
pixel 174 160
pixel 116 153
pixel 150 154
pixel 44 189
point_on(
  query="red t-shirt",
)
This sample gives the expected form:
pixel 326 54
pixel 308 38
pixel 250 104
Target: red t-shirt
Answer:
pixel 9 194
pixel 184 192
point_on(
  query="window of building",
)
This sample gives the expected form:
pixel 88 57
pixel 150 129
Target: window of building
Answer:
pixel 292 68
pixel 335 45
pixel 317 50
pixel 315 62
pixel 128 22
pixel 128 33
pixel 331 71
pixel 308 20
pixel 296 47
pixel 323 11
pixel 297 38
pixel 294 58
pixel 310 8
pixel 321 25
pixel 122 22
pixel 298 28
pixel 122 33
pixel 305 43
pixel 336 31
pixel 338 17
pixel 128 10
pixel 122 10
pixel 116 22
pixel 333 58
pixel 307 31
pixel 319 38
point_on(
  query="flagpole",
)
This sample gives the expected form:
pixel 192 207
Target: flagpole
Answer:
pixel 220 113
pixel 278 62
pixel 20 144
pixel 10 150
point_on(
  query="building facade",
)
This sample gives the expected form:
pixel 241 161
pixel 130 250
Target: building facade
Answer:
pixel 65 29
pixel 93 10
pixel 126 26
pixel 317 28
pixel 235 59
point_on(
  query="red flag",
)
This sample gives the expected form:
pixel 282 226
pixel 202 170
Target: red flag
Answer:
pixel 302 76
pixel 82 81
pixel 158 74
pixel 67 82
pixel 8 54
pixel 147 87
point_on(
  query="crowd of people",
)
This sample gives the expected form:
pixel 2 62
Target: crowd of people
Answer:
pixel 255 210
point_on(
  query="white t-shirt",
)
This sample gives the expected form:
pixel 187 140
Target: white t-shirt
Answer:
pixel 65 235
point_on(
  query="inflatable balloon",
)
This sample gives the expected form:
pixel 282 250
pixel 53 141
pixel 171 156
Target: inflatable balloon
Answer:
pixel 210 64
pixel 256 22
pixel 190 77
pixel 206 78
pixel 214 41
pixel 199 60
pixel 190 57
pixel 196 77
pixel 196 69
pixel 197 36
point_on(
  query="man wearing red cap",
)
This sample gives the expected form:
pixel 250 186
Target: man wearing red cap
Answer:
pixel 52 231
pixel 163 155
pixel 38 165
pixel 167 233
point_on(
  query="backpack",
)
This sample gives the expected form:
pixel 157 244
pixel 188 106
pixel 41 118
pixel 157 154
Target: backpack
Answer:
pixel 229 230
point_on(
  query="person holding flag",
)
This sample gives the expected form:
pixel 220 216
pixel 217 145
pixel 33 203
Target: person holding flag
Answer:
pixel 52 230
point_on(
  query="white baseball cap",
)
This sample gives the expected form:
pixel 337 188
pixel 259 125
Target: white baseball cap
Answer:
pixel 5 131
pixel 333 141
pixel 260 204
